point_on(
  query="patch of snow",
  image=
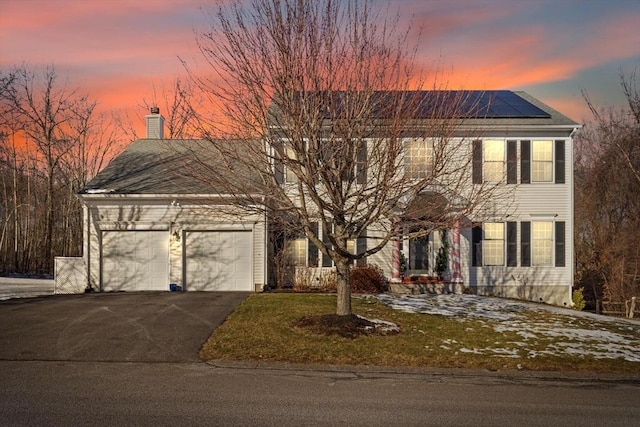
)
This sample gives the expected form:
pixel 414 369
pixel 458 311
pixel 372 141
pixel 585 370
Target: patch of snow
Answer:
pixel 383 325
pixel 567 334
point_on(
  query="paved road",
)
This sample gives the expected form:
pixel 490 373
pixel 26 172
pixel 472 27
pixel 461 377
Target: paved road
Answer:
pixel 131 359
pixel 152 394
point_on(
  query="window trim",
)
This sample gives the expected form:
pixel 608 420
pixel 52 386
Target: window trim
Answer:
pixel 551 240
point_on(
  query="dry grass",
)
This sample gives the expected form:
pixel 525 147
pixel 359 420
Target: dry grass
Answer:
pixel 267 327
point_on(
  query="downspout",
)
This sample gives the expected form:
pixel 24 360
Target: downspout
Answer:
pixel 572 266
pixel 86 243
pixel 266 253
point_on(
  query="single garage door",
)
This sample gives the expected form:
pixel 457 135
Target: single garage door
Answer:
pixel 135 260
pixel 219 260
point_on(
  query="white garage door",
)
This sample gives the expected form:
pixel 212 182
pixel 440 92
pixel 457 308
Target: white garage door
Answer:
pixel 135 260
pixel 219 260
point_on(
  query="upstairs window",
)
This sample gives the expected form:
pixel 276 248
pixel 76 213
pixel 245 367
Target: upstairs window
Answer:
pixel 542 161
pixel 290 177
pixel 418 158
pixel 493 160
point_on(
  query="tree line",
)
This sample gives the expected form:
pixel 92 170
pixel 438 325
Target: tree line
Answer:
pixel 53 139
pixel 607 199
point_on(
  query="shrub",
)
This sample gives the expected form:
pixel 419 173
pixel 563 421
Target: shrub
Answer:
pixel 578 299
pixel 308 279
pixel 368 279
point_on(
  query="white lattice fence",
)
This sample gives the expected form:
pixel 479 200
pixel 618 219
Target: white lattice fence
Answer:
pixel 70 275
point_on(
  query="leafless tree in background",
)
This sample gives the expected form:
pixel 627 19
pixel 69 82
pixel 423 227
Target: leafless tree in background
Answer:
pixel 53 141
pixel 607 199
pixel 178 103
pixel 316 99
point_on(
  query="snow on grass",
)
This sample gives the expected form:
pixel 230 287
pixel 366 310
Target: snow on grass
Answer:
pixel 542 329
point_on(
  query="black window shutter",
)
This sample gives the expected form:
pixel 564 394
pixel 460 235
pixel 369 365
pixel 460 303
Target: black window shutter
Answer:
pixel 361 172
pixel 525 162
pixel 560 244
pixel 512 244
pixel 278 164
pixel 512 162
pixel 361 246
pixel 525 244
pixel 326 261
pixel 477 162
pixel 476 246
pixel 312 250
pixel 560 162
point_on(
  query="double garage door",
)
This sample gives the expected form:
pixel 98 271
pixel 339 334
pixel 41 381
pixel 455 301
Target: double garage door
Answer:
pixel 212 260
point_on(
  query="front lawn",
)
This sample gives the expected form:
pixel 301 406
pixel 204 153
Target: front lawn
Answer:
pixel 266 327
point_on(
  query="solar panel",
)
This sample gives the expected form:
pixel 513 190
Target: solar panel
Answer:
pixel 491 104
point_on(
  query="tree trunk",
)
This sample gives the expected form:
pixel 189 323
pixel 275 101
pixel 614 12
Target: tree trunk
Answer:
pixel 343 287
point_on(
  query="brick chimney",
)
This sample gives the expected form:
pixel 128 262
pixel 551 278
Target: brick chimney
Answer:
pixel 155 124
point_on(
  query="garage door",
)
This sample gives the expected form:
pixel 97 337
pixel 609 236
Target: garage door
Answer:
pixel 135 260
pixel 219 260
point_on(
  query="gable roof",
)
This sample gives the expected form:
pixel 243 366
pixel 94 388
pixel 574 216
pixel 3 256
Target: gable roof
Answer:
pixel 486 107
pixel 163 166
pixel 190 167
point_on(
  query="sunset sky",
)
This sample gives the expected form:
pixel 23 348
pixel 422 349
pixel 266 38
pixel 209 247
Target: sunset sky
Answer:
pixel 116 50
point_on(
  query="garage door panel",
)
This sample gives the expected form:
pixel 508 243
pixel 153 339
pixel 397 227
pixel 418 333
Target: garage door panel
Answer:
pixel 135 260
pixel 219 260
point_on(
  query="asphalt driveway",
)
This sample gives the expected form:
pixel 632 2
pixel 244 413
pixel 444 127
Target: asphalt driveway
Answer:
pixel 122 327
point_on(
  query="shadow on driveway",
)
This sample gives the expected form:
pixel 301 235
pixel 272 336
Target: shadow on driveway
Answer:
pixel 122 327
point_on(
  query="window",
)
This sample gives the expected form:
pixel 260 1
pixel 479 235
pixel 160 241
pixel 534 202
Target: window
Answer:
pixel 542 242
pixel 493 160
pixel 353 246
pixel 419 253
pixel 418 158
pixel 297 252
pixel 542 161
pixel 291 177
pixel 493 244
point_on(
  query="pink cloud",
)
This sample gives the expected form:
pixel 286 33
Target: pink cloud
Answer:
pixel 116 50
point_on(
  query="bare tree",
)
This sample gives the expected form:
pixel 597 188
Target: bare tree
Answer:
pixel 607 199
pixel 329 136
pixel 54 141
pixel 178 101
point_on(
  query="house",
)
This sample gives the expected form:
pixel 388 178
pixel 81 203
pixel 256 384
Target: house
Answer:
pixel 150 224
pixel 518 242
